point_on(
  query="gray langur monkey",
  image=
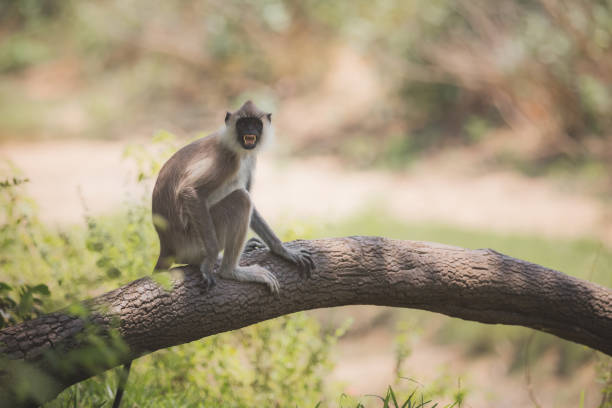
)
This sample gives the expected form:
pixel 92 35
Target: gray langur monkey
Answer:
pixel 202 199
pixel 202 206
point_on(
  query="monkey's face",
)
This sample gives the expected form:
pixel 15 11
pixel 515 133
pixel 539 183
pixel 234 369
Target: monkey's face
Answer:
pixel 248 128
pixel 249 132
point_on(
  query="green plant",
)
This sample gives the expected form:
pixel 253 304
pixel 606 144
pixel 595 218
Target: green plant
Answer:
pixel 393 400
pixel 25 303
pixel 604 369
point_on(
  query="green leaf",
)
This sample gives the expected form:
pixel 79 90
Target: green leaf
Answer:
pixel 392 395
pixel 42 289
pixel 103 262
pixel 5 287
pixel 163 279
pixel 25 304
pixel 95 246
pixel 113 273
pixel 77 309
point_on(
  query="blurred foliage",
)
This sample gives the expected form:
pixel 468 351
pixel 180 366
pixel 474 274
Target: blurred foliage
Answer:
pixel 282 362
pixel 409 330
pixel 20 301
pixel 535 74
pixel 20 13
pixel 605 374
pixel 24 304
pixel 543 68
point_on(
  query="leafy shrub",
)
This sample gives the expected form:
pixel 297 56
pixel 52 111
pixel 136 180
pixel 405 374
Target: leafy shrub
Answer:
pixel 23 301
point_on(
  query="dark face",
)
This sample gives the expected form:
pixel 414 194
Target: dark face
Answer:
pixel 248 132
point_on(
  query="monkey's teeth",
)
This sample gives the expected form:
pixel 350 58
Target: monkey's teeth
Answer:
pixel 249 139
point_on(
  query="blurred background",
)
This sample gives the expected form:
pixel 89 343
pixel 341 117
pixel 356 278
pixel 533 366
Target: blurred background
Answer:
pixel 472 123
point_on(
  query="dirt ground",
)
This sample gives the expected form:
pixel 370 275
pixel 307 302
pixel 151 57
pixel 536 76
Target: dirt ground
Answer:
pixel 69 176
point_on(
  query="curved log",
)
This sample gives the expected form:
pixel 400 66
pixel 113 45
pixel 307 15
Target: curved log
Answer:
pixel 480 285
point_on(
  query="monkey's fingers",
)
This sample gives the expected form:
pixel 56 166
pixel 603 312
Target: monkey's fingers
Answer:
pixel 305 264
pixel 275 289
pixel 301 267
pixel 307 255
pixel 272 283
pixel 253 244
pixel 308 258
pixel 306 252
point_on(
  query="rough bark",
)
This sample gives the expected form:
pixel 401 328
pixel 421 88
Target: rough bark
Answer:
pixel 480 285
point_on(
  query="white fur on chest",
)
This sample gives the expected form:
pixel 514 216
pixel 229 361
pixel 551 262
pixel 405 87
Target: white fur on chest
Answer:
pixel 238 181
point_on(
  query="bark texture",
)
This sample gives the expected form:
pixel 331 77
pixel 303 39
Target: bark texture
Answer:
pixel 480 285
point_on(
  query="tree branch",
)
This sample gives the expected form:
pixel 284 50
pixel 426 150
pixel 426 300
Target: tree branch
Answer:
pixel 480 285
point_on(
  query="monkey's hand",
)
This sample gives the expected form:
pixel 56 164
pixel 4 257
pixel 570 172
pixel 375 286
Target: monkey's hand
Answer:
pixel 300 257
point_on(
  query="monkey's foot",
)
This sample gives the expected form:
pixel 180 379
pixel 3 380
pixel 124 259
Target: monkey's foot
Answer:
pixel 207 274
pixel 254 244
pixel 254 273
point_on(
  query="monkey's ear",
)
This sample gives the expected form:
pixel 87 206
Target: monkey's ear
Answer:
pixel 227 117
pixel 269 116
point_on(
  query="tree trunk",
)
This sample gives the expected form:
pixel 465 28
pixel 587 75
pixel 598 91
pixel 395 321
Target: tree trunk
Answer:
pixel 480 285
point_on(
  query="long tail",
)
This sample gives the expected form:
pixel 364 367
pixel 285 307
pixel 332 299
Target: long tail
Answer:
pixel 121 386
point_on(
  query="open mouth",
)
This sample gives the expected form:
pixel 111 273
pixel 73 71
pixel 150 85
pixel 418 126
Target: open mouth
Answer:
pixel 249 140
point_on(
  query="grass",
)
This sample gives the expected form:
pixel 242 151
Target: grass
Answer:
pixel 394 400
